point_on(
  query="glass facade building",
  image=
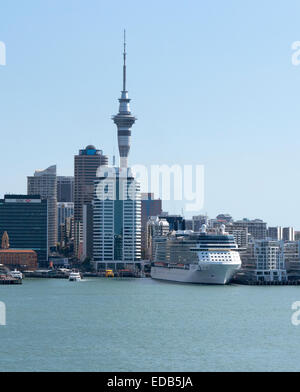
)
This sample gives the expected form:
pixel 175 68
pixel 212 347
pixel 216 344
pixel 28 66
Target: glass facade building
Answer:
pixel 25 219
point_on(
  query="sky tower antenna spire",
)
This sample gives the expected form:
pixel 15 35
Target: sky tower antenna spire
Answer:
pixel 124 66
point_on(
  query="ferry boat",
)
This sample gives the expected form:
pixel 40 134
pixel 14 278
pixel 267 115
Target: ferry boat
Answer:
pixel 16 274
pixel 75 277
pixel 203 258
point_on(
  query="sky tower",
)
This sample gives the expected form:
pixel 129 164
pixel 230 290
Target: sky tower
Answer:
pixel 124 120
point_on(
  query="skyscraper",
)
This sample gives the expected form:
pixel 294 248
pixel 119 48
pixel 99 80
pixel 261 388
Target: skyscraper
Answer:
pixel 86 164
pixel 117 200
pixel 44 183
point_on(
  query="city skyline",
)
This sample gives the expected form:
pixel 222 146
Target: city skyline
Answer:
pixel 244 88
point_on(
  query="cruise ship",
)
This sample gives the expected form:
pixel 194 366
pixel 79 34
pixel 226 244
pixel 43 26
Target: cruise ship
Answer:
pixel 208 257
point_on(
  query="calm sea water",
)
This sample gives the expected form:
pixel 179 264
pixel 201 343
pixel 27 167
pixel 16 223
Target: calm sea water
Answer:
pixel 144 325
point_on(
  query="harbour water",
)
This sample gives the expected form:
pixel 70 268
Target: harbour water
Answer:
pixel 146 325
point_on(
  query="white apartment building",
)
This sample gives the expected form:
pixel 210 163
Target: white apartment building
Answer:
pixel 269 261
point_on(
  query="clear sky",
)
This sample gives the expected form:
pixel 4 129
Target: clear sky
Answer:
pixel 211 82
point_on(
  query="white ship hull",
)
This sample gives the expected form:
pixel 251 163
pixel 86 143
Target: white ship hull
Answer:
pixel 212 273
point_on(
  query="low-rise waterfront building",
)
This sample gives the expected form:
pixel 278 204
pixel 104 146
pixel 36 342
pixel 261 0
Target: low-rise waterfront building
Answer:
pixel 265 259
pixel 22 259
pixel 292 258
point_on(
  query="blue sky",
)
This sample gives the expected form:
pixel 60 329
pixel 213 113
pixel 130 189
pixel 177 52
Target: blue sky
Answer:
pixel 212 83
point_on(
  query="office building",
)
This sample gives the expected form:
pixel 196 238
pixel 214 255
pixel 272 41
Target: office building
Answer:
pixel 198 221
pixel 150 207
pixel 256 228
pixel 176 222
pixel 188 224
pixel 240 234
pixel 275 233
pixel 157 228
pixel 44 183
pixel 65 189
pixel 66 231
pixel 64 210
pixel 25 219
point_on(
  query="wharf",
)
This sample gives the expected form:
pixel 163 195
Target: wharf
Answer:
pixel 265 283
pixel 117 274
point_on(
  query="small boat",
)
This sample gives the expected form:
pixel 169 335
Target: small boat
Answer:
pixel 16 274
pixel 74 277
